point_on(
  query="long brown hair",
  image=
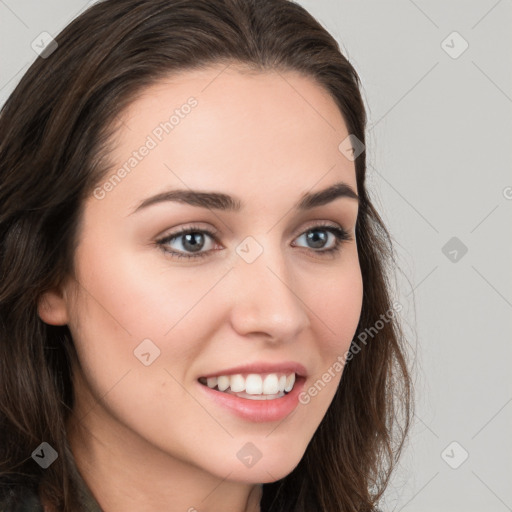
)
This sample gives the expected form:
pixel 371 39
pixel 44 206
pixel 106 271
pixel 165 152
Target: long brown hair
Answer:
pixel 55 133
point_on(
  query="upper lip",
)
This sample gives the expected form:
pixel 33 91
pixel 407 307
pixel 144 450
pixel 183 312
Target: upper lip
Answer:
pixel 262 367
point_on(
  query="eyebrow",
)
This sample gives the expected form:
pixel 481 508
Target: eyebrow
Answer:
pixel 220 201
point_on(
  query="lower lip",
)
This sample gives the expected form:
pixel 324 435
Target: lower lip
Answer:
pixel 258 410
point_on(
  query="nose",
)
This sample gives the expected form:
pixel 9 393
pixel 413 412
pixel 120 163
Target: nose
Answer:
pixel 265 300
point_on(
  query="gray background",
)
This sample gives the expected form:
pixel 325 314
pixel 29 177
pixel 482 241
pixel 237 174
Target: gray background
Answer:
pixel 438 149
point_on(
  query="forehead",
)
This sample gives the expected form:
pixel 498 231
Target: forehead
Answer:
pixel 223 127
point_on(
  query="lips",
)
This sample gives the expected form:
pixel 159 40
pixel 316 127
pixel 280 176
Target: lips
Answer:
pixel 254 408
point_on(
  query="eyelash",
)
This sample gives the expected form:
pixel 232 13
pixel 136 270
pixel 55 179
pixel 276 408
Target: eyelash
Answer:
pixel 340 234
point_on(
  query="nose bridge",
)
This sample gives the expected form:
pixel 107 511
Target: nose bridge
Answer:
pixel 266 300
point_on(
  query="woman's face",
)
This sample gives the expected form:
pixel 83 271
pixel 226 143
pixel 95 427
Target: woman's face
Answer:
pixel 259 286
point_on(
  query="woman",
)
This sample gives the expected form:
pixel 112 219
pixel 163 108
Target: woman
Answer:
pixel 195 313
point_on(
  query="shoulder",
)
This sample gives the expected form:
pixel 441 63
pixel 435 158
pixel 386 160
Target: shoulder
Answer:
pixel 23 500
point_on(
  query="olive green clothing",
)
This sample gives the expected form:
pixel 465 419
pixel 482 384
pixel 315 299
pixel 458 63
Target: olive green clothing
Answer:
pixel 28 500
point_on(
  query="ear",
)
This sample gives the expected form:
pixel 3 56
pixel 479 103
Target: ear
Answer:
pixel 51 307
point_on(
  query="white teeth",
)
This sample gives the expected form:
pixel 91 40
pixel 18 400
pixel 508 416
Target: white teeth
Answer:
pixel 254 384
pixel 290 381
pixel 237 383
pixel 271 384
pixel 223 382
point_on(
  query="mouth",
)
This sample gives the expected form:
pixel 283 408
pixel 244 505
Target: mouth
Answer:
pixel 253 386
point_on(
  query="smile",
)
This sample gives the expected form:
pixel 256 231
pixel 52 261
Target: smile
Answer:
pixel 252 386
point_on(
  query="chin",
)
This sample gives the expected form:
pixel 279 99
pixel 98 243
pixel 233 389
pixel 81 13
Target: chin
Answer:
pixel 265 470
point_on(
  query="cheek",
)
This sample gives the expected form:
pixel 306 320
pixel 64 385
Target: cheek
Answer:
pixel 350 300
pixel 118 309
pixel 336 311
pixel 126 298
pixel 338 307
pixel 133 293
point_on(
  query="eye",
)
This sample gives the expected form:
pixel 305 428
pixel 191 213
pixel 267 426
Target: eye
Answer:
pixel 190 242
pixel 325 238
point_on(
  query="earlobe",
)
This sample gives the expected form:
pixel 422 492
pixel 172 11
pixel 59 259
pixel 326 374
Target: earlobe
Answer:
pixel 51 308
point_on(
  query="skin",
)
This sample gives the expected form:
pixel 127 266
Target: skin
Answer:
pixel 144 437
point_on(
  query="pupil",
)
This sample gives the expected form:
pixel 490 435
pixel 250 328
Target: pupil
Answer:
pixel 318 241
pixel 192 245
